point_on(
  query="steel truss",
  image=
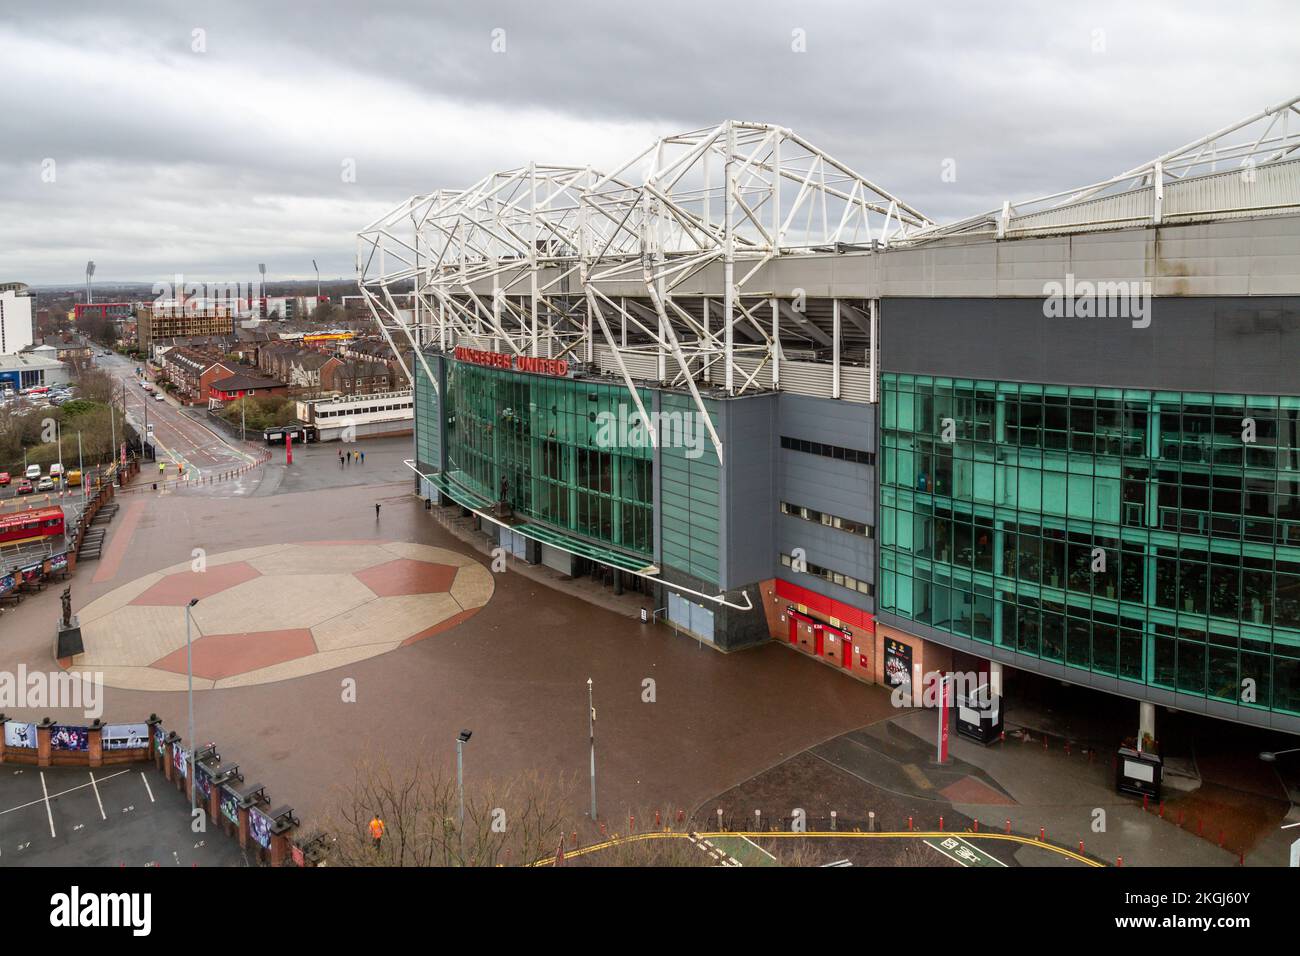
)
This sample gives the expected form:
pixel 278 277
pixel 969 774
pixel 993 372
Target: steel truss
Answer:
pixel 1248 146
pixel 670 249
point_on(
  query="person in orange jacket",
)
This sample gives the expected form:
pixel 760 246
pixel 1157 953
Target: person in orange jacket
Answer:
pixel 376 830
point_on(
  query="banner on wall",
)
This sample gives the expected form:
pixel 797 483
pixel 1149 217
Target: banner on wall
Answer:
pixel 181 760
pixel 125 736
pixel 20 735
pixel 898 663
pixel 158 737
pixel 7 583
pixel 31 573
pixel 230 804
pixel 64 737
pixel 259 827
pixel 202 782
pixel 59 562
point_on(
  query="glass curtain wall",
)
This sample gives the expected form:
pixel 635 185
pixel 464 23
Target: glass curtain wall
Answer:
pixel 570 452
pixel 1150 536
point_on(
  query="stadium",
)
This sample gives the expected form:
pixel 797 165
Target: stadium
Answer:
pixel 738 376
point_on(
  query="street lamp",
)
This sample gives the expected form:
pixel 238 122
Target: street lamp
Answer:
pixel 189 674
pixel 1270 756
pixel 591 733
pixel 461 740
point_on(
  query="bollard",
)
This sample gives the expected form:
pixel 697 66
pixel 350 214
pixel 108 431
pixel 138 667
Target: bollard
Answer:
pixel 1119 861
pixel 1042 834
pixel 871 821
pixel 631 824
pixel 575 839
pixel 1162 809
pixel 941 824
pixel 719 819
pixel 658 821
pixel 909 824
pixel 603 831
pixel 758 820
pixel 1081 848
pixel 681 816
pixel 833 815
pixel 1008 827
pixel 977 824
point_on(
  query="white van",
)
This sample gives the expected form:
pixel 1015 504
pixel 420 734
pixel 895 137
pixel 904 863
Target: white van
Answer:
pixel 33 471
pixel 56 470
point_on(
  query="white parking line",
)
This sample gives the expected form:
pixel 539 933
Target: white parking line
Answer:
pixel 48 812
pixel 102 815
pixel 146 785
pixel 32 803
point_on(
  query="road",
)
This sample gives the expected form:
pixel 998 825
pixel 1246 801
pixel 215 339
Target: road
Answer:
pixel 178 438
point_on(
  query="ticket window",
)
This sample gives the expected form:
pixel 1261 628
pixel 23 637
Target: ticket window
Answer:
pixel 836 648
pixel 803 632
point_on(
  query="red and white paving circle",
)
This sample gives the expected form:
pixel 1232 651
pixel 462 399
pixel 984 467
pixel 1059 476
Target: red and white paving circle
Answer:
pixel 277 612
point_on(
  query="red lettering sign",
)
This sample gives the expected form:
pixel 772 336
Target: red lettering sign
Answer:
pixel 522 363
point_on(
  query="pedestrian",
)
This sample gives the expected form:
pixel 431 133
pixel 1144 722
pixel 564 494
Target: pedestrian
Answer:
pixel 376 511
pixel 376 830
pixel 363 458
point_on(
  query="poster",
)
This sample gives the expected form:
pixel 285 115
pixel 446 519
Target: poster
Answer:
pixel 202 783
pixel 125 736
pixel 59 562
pixel 63 737
pixel 259 827
pixel 20 735
pixel 29 574
pixel 158 737
pixel 898 663
pixel 7 583
pixel 180 759
pixel 230 804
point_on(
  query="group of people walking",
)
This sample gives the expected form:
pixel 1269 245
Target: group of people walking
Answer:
pixel 348 457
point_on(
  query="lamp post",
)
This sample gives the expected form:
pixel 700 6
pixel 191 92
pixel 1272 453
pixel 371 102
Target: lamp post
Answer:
pixel 461 739
pixel 189 676
pixel 591 733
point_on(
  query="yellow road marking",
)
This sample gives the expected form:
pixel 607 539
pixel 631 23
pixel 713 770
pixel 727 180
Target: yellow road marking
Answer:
pixel 824 834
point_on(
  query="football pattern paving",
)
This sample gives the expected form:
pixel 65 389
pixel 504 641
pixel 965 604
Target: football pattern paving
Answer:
pixel 277 612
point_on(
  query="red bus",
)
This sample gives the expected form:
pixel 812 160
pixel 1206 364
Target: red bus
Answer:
pixel 25 526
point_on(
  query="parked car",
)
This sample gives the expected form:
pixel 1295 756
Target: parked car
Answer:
pixel 45 484
pixel 25 487
pixel 160 397
pixel 4 478
pixel 33 471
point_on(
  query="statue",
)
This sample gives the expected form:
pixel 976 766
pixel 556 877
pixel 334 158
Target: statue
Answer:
pixel 67 606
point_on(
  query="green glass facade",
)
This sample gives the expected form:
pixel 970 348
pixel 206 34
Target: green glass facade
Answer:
pixel 550 439
pixel 1149 536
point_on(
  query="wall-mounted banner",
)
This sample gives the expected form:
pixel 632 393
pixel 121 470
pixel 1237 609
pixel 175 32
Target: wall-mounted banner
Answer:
pixel 63 737
pixel 898 663
pixel 59 562
pixel 180 760
pixel 259 827
pixel 125 736
pixel 158 737
pixel 202 782
pixel 230 805
pixel 20 735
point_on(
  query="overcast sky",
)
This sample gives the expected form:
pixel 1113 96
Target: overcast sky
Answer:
pixel 172 150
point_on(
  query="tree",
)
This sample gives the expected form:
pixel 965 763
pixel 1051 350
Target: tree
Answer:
pixel 507 823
